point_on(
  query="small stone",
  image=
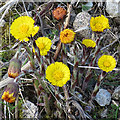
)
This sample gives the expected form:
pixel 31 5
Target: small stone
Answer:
pixel 112 8
pixel 81 24
pixel 103 97
pixel 32 112
pixel 116 93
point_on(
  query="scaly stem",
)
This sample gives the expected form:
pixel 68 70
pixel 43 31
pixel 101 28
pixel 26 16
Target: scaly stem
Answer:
pixel 18 52
pixel 58 50
pixel 92 63
pixel 97 86
pixel 66 98
pixel 47 106
pixel 41 82
pixel 74 80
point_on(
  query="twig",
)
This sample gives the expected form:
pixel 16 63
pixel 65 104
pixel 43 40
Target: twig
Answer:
pixel 81 111
pixel 4 13
pixel 5 110
pixel 41 22
pixel 91 67
pixel 9 112
pixel 82 28
pixel 11 2
pixel 113 101
pixel 16 108
pixel 68 16
pixel 25 7
pixel 58 50
pixel 109 44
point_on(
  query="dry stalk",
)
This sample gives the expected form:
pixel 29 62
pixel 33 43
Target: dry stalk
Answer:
pixel 81 111
pixel 16 108
pixel 58 50
pixel 9 3
pixel 69 8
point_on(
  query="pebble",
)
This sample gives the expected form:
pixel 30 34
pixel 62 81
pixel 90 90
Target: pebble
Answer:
pixel 81 24
pixel 116 93
pixel 112 8
pixel 32 112
pixel 103 97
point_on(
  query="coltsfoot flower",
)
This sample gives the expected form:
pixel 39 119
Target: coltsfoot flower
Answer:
pixel 106 63
pixel 89 43
pixel 44 45
pixel 98 24
pixel 14 68
pixel 59 13
pixel 67 36
pixel 58 74
pixel 10 92
pixel 23 27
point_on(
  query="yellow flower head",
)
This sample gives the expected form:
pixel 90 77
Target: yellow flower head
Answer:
pixel 107 63
pixel 67 36
pixel 23 27
pixel 8 97
pixel 98 24
pixel 44 45
pixel 89 43
pixel 58 73
pixel 10 93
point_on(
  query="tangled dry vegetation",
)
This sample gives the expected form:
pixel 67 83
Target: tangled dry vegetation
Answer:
pixel 66 89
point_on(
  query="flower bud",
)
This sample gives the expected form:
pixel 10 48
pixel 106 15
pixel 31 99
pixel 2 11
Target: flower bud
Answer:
pixel 14 68
pixel 10 92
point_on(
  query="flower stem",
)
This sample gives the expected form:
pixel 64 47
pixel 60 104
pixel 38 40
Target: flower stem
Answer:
pixel 67 98
pixel 41 82
pixel 92 63
pixel 97 86
pixel 58 50
pixel 46 102
pixel 18 52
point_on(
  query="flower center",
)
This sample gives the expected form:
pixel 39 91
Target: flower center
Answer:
pixel 58 75
pixel 66 34
pixel 107 64
pixel 98 26
pixel 24 28
pixel 41 46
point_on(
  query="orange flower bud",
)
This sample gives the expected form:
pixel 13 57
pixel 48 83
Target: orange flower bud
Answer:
pixel 59 13
pixel 10 92
pixel 14 68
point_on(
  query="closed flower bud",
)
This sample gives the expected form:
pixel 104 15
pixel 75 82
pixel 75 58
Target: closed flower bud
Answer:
pixel 10 92
pixel 59 13
pixel 14 68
